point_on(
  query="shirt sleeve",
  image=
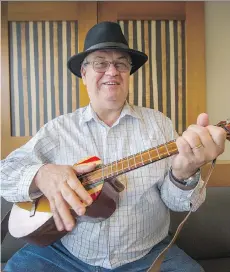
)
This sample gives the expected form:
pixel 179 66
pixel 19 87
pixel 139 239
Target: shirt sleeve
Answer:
pixel 175 198
pixel 20 167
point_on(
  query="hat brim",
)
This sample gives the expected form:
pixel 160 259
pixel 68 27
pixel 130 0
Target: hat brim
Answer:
pixel 138 59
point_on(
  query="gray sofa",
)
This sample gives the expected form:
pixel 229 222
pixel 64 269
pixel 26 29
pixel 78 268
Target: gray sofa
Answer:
pixel 205 237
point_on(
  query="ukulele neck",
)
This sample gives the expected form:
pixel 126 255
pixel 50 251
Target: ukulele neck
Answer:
pixel 130 163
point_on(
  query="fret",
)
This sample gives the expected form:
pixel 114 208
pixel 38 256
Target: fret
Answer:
pixel 107 169
pixel 111 168
pixel 158 153
pixel 128 163
pixel 167 149
pixel 117 168
pixel 102 170
pixel 134 161
pixel 122 166
pixel 151 160
pixel 142 158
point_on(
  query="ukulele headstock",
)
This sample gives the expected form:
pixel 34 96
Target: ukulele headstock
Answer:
pixel 226 126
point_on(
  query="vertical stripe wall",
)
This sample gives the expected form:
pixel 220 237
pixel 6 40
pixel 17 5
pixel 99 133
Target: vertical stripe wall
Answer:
pixel 41 86
pixel 160 83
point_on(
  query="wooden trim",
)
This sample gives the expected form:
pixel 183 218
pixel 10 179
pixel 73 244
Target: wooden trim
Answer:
pixel 195 61
pixel 85 23
pixel 113 11
pixel 5 84
pixel 40 11
pixel 220 176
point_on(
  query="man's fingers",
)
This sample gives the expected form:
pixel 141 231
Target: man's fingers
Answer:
pixel 199 135
pixel 202 120
pixel 57 219
pixel 183 146
pixel 211 137
pixel 64 212
pixel 84 168
pixel 72 199
pixel 218 136
pixel 79 189
pixel 66 193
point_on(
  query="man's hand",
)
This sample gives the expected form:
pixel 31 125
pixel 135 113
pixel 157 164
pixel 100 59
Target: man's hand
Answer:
pixel 59 183
pixel 198 145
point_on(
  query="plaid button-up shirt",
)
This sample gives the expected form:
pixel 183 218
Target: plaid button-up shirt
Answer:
pixel 141 219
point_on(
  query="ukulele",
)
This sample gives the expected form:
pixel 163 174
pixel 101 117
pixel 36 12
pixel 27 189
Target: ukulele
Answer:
pixel 33 221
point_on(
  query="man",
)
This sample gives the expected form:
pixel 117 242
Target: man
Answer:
pixel 111 129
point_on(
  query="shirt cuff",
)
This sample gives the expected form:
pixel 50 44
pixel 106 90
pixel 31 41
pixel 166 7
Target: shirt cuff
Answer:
pixel 25 183
pixel 187 184
pixel 178 199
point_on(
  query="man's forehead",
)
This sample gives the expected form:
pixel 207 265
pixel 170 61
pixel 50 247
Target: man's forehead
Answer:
pixel 108 53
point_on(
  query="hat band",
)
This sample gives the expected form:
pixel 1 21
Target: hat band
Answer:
pixel 107 44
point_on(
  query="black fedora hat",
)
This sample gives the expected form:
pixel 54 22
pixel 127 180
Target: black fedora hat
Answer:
pixel 106 35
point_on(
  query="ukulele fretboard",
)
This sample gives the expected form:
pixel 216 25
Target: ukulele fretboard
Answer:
pixel 130 163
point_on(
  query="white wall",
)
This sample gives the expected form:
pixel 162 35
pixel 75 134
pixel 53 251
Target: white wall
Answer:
pixel 217 29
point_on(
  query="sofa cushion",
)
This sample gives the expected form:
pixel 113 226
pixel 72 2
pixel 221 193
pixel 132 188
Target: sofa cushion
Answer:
pixel 216 265
pixel 9 246
pixel 206 234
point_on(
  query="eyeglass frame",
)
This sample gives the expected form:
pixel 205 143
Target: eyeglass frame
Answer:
pixel 109 62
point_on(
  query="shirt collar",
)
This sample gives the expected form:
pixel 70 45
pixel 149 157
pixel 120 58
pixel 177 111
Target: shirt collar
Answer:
pixel 88 113
pixel 129 110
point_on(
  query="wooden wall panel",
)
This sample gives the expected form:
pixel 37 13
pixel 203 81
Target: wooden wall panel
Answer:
pixel 160 83
pixel 85 13
pixel 193 14
pixel 144 10
pixel 195 61
pixel 43 11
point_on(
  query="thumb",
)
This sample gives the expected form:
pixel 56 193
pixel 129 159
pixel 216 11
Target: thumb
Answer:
pixel 84 168
pixel 202 120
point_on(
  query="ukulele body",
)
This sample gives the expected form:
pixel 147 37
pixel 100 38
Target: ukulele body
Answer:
pixel 40 228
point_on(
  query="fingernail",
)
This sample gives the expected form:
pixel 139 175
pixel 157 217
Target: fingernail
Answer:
pixel 80 211
pixel 69 227
pixel 60 228
pixel 89 201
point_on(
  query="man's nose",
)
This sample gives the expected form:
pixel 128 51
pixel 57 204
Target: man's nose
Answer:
pixel 112 70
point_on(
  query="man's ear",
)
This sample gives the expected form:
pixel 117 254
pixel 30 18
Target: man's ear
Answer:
pixel 83 72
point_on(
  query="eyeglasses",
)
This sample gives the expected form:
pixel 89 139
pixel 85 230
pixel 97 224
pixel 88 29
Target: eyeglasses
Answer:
pixel 103 66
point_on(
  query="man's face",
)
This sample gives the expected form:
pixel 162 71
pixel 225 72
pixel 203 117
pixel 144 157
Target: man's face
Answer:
pixel 109 89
